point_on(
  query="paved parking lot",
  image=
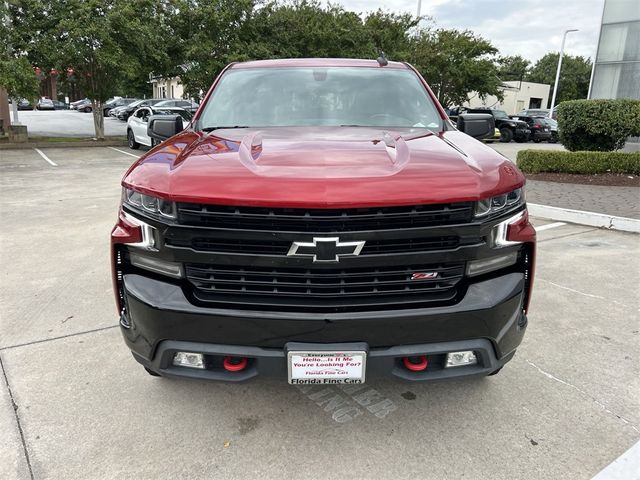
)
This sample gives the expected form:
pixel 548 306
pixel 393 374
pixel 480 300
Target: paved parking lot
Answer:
pixel 67 123
pixel 74 404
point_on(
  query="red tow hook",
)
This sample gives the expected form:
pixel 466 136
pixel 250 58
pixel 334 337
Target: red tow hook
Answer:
pixel 415 364
pixel 235 364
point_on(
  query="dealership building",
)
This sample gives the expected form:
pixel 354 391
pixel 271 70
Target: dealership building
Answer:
pixel 616 73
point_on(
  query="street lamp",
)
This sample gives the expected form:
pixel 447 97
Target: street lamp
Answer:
pixel 555 85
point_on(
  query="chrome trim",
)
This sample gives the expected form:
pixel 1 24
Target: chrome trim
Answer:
pixel 357 248
pixel 501 229
pixel 148 238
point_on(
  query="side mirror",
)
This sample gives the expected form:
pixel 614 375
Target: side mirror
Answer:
pixel 477 125
pixel 162 127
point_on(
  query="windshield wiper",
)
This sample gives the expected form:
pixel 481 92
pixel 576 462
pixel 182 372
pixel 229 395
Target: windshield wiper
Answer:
pixel 211 129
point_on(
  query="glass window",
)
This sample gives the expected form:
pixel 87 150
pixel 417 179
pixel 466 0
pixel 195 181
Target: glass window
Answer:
pixel 621 11
pixel 619 42
pixel 616 81
pixel 324 96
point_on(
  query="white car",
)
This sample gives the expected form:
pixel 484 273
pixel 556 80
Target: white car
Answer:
pixel 139 120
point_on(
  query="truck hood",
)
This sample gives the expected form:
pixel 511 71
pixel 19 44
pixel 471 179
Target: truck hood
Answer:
pixel 323 167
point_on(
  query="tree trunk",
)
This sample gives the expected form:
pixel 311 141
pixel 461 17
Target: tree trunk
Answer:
pixel 5 119
pixel 98 118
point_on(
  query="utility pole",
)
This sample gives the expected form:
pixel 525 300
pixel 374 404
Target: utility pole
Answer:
pixel 555 85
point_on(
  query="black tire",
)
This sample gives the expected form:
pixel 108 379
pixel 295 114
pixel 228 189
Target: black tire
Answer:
pixel 536 140
pixel 155 374
pixel 133 145
pixel 106 112
pixel 506 135
pixel 553 139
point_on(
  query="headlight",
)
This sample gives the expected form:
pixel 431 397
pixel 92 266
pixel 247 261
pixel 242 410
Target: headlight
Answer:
pixel 147 203
pixel 500 203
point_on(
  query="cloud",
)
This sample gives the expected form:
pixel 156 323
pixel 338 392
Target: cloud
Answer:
pixel 530 28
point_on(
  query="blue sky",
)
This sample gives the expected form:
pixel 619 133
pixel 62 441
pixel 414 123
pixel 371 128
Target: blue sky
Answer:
pixel 529 28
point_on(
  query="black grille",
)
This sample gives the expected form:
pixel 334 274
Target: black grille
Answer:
pixel 281 247
pixel 333 289
pixel 324 220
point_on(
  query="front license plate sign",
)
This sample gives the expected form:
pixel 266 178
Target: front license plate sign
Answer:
pixel 326 367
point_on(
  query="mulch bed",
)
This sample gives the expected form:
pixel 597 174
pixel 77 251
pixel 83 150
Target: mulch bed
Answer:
pixel 607 179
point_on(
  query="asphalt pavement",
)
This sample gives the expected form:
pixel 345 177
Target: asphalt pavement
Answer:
pixel 75 405
pixel 67 123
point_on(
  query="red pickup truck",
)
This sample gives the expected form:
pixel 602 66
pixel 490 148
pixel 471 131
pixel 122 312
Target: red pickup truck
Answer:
pixel 323 221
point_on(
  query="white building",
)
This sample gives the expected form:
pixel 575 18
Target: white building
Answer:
pixel 517 96
pixel 166 87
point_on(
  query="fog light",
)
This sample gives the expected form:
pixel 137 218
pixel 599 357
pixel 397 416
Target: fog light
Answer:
pixel 484 265
pixel 458 359
pixel 189 359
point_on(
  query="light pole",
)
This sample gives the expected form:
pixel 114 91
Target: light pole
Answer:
pixel 555 85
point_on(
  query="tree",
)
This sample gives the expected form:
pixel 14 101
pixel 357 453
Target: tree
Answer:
pixel 512 67
pixel 456 63
pixel 207 35
pixel 574 77
pixel 105 43
pixel 17 78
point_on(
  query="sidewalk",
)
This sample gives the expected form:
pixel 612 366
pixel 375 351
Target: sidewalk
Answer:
pixel 618 201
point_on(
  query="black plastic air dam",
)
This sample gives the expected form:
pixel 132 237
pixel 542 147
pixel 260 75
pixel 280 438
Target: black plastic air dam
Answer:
pixel 159 311
pixel 381 362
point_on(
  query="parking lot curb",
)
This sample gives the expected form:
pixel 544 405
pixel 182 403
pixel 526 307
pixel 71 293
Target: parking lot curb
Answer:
pixel 95 143
pixel 593 219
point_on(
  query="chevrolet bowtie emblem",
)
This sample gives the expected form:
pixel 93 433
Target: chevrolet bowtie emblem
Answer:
pixel 325 249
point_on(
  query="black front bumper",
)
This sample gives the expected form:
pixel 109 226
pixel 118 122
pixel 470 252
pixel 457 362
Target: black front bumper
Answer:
pixel 160 320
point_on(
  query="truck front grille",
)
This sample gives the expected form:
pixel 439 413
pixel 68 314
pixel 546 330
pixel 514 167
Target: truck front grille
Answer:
pixel 324 220
pixel 281 247
pixel 327 290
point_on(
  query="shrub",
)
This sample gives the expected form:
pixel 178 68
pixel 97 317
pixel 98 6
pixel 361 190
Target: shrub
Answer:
pixel 539 161
pixel 599 125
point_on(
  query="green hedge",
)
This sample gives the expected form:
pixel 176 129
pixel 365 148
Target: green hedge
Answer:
pixel 543 161
pixel 599 125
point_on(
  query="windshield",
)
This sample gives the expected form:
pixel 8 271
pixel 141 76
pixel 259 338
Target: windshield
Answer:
pixel 325 96
pixel 500 114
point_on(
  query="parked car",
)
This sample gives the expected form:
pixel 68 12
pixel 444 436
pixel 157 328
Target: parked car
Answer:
pixel 139 121
pixel 188 105
pixel 540 131
pixel 85 106
pixel 538 112
pixel 125 112
pixel 45 104
pixel 116 102
pixel 553 128
pixel 24 104
pixel 74 105
pixel 509 129
pixel 58 105
pixel 286 227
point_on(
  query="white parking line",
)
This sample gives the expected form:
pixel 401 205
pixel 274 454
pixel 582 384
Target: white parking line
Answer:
pixel 122 151
pixel 549 226
pixel 51 162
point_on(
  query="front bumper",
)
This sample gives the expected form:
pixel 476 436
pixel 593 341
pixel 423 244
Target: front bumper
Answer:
pixel 160 320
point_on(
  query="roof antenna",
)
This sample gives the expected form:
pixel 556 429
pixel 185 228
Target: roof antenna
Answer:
pixel 382 61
